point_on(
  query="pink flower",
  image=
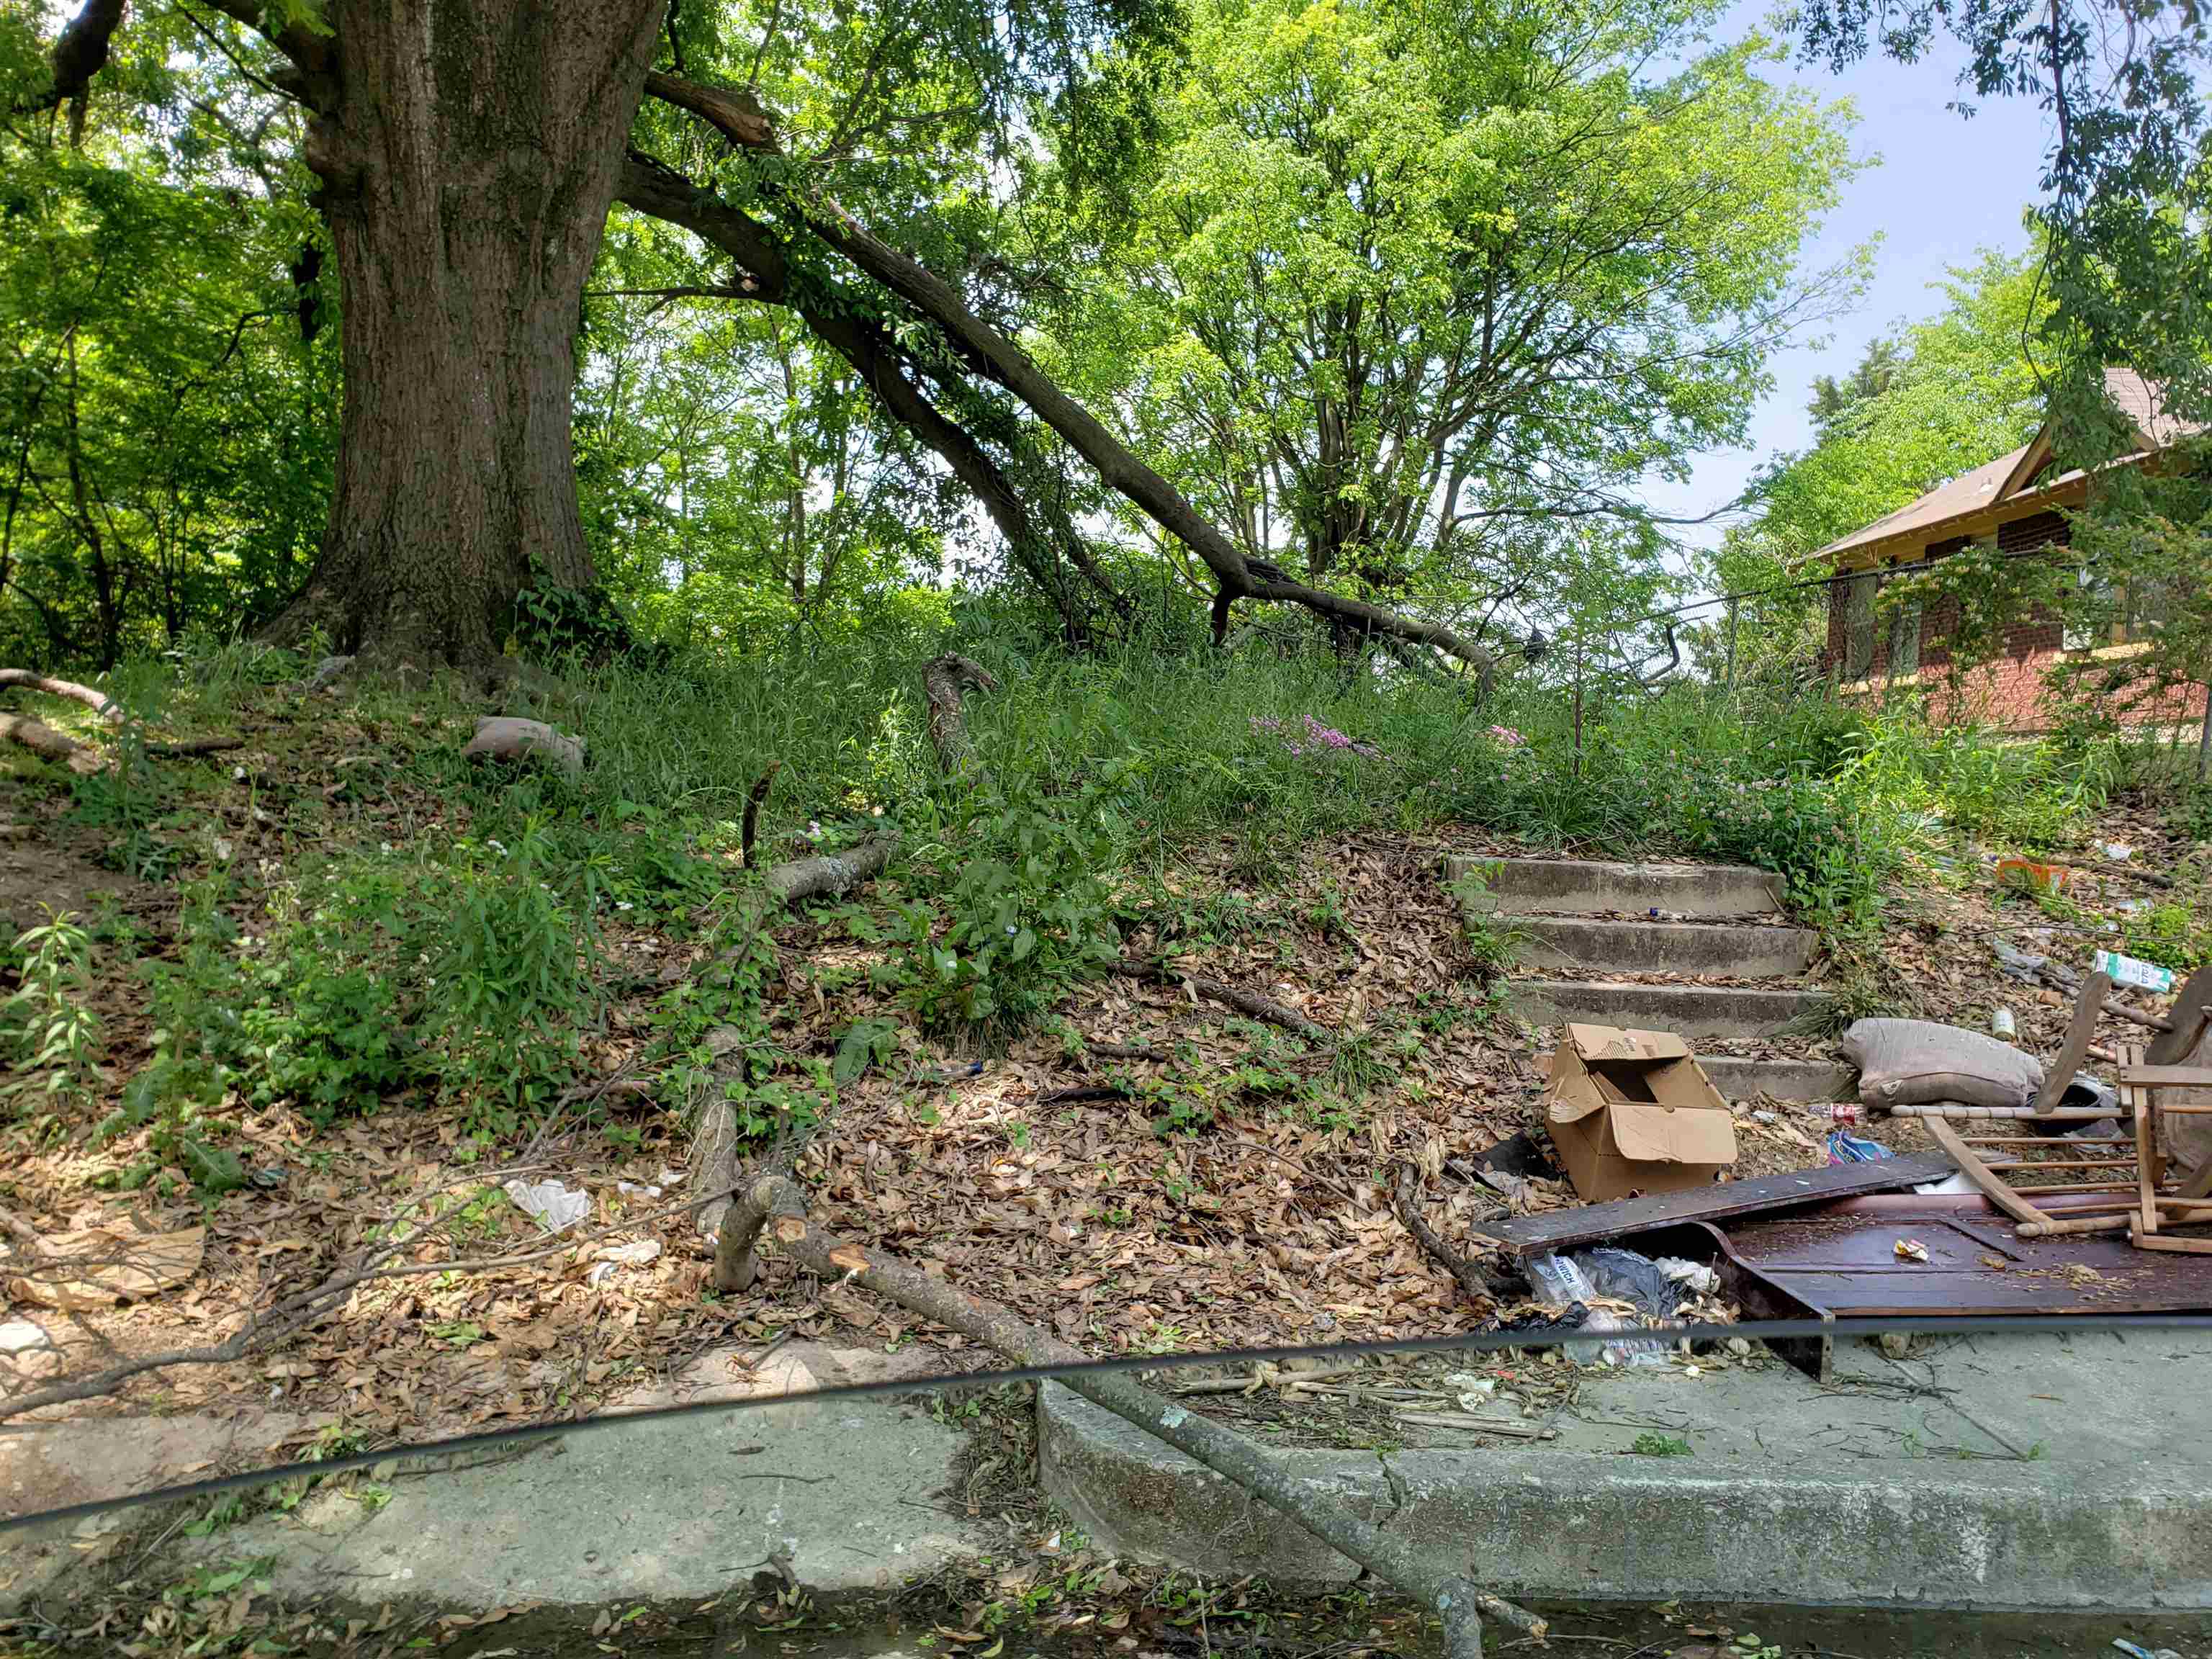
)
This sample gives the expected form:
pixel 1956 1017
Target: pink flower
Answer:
pixel 1506 736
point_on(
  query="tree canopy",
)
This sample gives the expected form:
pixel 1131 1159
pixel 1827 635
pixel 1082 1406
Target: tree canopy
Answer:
pixel 1379 309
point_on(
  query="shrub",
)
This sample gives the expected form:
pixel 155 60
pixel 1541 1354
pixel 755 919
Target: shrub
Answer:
pixel 1029 910
pixel 49 1033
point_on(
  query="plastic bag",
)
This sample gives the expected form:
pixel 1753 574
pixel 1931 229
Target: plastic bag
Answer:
pixel 1844 1148
pixel 1694 1276
pixel 549 1203
pixel 1566 1282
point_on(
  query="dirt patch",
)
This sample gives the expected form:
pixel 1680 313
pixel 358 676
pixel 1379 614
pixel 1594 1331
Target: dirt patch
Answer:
pixel 47 869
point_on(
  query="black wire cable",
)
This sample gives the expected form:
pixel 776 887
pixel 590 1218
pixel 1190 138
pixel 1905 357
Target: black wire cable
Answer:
pixel 1768 1330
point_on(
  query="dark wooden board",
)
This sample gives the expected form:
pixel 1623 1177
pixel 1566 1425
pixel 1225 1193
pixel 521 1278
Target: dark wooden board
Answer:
pixel 1592 1224
pixel 1846 1264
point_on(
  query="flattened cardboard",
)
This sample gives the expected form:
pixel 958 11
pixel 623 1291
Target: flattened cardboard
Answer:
pixel 1633 1111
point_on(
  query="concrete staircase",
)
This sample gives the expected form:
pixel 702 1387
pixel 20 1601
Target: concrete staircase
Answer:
pixel 1587 923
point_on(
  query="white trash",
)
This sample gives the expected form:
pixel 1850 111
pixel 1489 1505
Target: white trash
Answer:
pixel 549 1204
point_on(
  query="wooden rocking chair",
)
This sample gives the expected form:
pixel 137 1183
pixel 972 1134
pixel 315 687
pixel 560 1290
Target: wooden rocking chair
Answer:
pixel 2128 1167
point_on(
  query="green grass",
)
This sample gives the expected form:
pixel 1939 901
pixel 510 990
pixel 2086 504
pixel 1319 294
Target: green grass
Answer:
pixel 465 958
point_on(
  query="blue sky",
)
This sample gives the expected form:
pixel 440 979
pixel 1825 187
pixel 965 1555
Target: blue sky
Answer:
pixel 1945 186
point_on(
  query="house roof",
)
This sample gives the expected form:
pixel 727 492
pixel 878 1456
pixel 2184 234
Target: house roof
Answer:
pixel 2006 478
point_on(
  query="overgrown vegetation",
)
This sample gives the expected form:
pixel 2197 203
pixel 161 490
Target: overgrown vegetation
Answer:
pixel 473 963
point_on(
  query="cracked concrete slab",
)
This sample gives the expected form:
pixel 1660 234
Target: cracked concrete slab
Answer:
pixel 849 1492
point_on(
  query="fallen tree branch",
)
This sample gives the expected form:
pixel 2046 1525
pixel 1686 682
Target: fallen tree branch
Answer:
pixel 777 1211
pixel 42 740
pixel 715 1141
pixel 886 368
pixel 1123 1051
pixel 831 874
pixel 989 354
pixel 91 696
pixel 197 747
pixel 1251 1003
pixel 943 680
pixel 1089 1094
pixel 736 1263
pixel 1479 1284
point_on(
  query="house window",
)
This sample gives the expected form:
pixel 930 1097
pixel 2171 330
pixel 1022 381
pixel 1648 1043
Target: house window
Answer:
pixel 1904 638
pixel 2144 610
pixel 1858 626
pixel 2084 631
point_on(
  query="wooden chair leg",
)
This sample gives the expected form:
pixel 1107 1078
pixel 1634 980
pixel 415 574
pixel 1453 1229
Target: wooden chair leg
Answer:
pixel 2075 1050
pixel 2136 1098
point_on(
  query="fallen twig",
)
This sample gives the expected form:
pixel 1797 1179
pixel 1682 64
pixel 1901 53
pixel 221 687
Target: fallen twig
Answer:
pixel 1511 1428
pixel 782 1216
pixel 1251 1003
pixel 1271 1377
pixel 196 746
pixel 1123 1051
pixel 1473 1280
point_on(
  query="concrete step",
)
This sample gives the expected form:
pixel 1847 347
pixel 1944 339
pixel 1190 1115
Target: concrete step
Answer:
pixel 1780 1079
pixel 1776 1079
pixel 1736 949
pixel 1587 887
pixel 1688 1011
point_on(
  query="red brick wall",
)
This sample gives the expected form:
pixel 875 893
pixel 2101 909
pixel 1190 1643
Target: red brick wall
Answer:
pixel 2009 691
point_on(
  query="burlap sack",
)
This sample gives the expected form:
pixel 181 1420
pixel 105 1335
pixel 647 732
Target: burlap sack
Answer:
pixel 1911 1063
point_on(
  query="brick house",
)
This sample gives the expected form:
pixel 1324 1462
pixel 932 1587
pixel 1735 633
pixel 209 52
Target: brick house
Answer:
pixel 2017 503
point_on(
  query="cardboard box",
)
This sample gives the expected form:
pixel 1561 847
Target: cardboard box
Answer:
pixel 1633 1112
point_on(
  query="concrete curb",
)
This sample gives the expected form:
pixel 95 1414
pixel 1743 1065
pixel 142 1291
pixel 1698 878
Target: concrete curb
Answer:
pixel 1542 1524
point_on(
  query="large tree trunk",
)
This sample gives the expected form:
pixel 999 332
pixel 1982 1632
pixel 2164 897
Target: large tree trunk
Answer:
pixel 469 157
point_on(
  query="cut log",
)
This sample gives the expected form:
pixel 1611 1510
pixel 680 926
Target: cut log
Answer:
pixel 42 740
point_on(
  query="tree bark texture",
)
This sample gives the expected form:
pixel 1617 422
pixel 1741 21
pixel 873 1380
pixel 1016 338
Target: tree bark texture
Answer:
pixel 91 696
pixel 944 681
pixel 469 152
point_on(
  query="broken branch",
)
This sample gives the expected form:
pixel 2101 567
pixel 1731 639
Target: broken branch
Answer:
pixel 754 800
pixel 91 696
pixel 830 874
pixel 944 678
pixel 42 740
pixel 1479 1286
pixel 1251 1003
